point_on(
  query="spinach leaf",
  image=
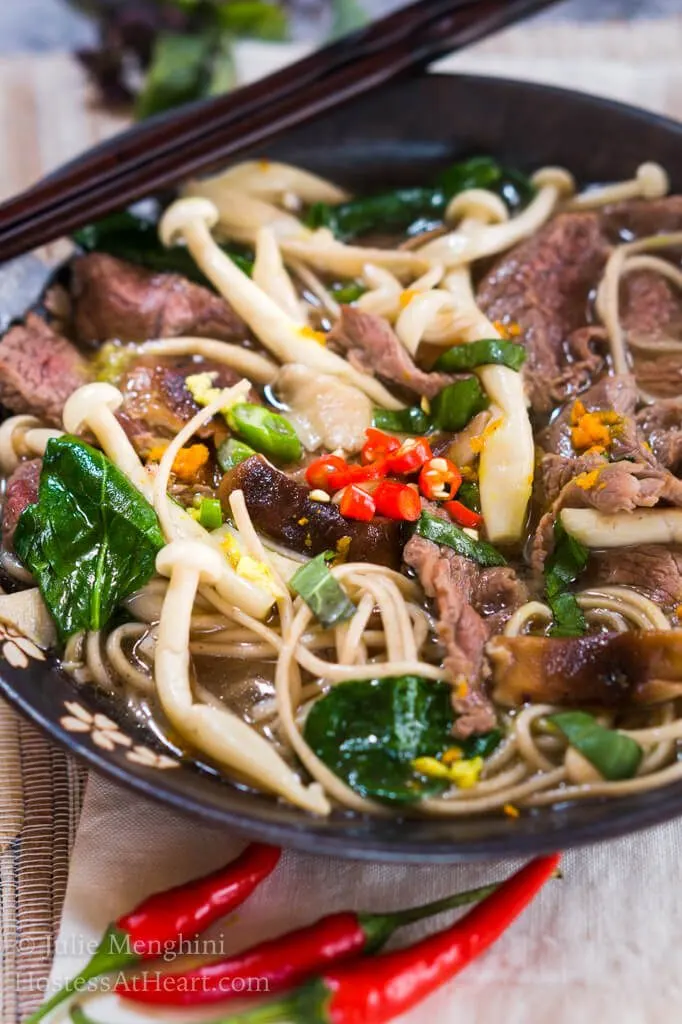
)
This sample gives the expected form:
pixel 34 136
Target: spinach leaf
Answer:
pixel 613 754
pixel 256 19
pixel 326 598
pixel 132 237
pixel 90 540
pixel 562 568
pixel 484 352
pixel 368 732
pixel 440 531
pixel 179 73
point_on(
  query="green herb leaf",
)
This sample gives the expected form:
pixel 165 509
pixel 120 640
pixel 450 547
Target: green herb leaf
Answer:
pixel 613 754
pixel 90 540
pixel 266 431
pixel 231 452
pixel 562 568
pixel 391 210
pixel 484 172
pixel 458 403
pixel 325 597
pixel 368 732
pixel 440 531
pixel 129 236
pixel 180 72
pixel 402 421
pixel 470 495
pixel 484 352
pixel 348 15
pixel 256 19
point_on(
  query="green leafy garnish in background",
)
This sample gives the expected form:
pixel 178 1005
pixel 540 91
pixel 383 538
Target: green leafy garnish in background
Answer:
pixel 613 754
pixel 90 540
pixel 347 16
pixel 562 568
pixel 369 732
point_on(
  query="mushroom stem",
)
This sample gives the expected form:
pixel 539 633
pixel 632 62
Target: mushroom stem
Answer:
pixel 192 220
pixel 623 529
pixel 218 733
pixel 92 408
pixel 651 181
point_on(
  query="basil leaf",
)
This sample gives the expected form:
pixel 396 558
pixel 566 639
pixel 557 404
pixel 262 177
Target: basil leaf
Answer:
pixel 485 352
pixel 402 421
pixel 391 210
pixel 483 172
pixel 368 732
pixel 613 754
pixel 440 531
pixel 562 568
pixel 179 72
pixel 90 540
pixel 325 597
pixel 134 238
pixel 458 403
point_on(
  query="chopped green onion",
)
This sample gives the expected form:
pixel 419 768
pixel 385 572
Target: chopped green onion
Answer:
pixel 440 531
pixel 402 421
pixel 326 599
pixel 484 352
pixel 613 754
pixel 347 292
pixel 231 452
pixel 458 403
pixel 562 568
pixel 266 431
pixel 210 513
pixel 470 495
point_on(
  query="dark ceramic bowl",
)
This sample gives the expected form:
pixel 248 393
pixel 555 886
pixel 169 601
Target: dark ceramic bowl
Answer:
pixel 401 134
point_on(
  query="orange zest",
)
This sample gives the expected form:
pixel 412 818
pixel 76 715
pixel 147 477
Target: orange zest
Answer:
pixel 187 463
pixel 593 430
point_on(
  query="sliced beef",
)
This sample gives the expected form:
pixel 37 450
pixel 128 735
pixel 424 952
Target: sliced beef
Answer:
pixel 282 510
pixel 21 490
pixel 372 346
pixel 471 603
pixel 544 285
pixel 115 299
pixel 554 472
pixel 616 393
pixel 661 425
pixel 157 403
pixel 651 568
pixel 39 370
pixel 609 669
pixel 638 218
pixel 651 317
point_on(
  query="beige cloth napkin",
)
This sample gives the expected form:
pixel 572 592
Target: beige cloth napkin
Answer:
pixel 603 943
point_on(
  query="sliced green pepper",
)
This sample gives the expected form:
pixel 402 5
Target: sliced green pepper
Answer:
pixel 458 403
pixel 210 513
pixel 231 452
pixel 402 421
pixel 484 352
pixel 266 431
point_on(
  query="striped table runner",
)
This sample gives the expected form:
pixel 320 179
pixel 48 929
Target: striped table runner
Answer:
pixel 46 116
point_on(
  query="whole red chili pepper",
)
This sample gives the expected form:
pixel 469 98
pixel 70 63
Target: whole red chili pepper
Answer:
pixel 375 990
pixel 289 959
pixel 160 922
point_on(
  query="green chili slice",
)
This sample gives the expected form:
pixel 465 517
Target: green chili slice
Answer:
pixel 210 513
pixel 484 352
pixel 266 431
pixel 458 403
pixel 402 421
pixel 231 452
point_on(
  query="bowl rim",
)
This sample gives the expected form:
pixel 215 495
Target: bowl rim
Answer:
pixel 372 846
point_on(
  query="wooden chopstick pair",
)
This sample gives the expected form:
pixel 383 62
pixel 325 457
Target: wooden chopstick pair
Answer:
pixel 167 150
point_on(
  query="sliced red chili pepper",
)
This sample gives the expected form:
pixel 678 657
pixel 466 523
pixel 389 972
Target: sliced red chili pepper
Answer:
pixel 411 456
pixel 462 515
pixel 287 960
pixel 378 445
pixel 164 919
pixel 355 503
pixel 397 501
pixel 320 470
pixel 439 479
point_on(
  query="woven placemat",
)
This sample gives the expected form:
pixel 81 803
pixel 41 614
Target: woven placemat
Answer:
pixel 46 116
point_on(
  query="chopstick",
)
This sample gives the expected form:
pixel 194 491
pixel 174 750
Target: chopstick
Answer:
pixel 164 152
